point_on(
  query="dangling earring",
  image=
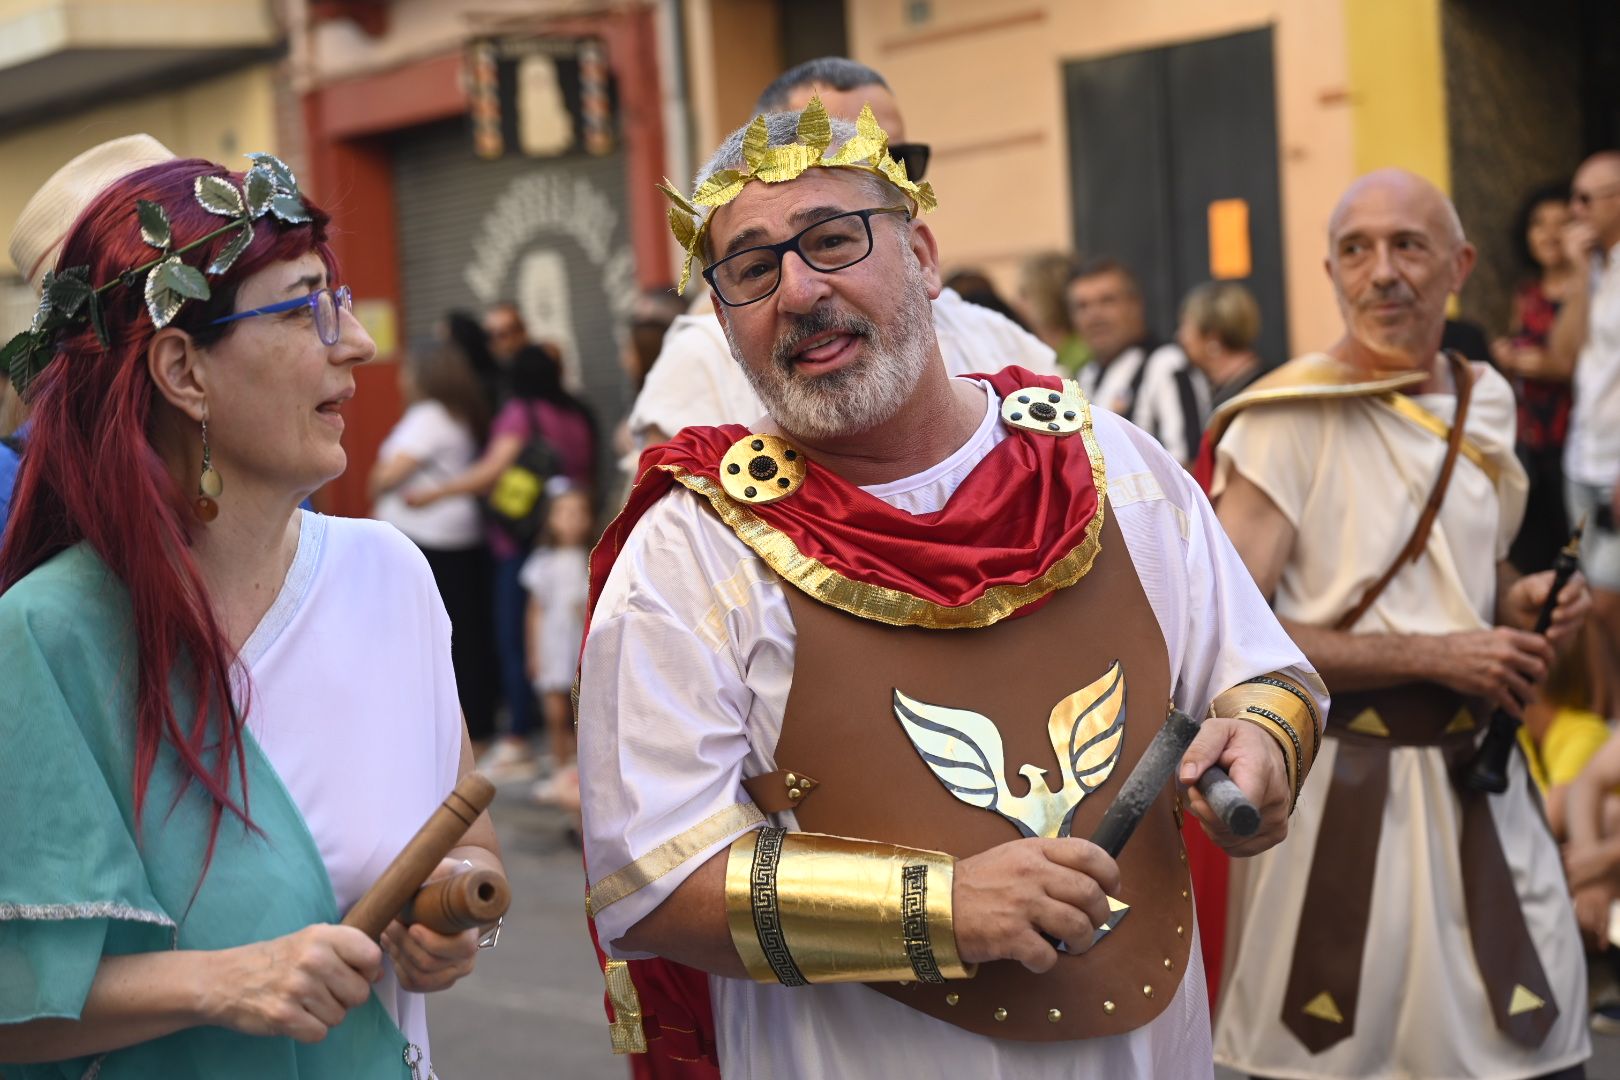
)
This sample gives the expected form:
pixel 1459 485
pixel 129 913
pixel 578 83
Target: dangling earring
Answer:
pixel 209 485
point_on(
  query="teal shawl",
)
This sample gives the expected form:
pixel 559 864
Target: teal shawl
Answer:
pixel 79 880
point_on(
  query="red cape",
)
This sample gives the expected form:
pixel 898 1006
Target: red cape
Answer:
pixel 1024 509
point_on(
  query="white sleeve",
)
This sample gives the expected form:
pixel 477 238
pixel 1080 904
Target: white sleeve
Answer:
pixel 1236 635
pixel 695 381
pixel 663 710
pixel 1219 629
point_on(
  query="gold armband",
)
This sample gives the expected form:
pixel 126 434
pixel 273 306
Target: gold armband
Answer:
pixel 809 908
pixel 1287 712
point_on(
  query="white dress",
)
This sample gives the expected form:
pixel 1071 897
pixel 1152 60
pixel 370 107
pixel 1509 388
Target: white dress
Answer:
pixel 353 701
pixel 685 677
pixel 1351 475
pixel 559 579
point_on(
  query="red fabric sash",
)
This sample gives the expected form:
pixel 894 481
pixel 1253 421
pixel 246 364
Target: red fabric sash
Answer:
pixel 1026 505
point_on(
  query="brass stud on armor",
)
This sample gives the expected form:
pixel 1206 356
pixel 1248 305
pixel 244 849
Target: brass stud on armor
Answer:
pixel 795 794
pixel 1181 931
pixel 792 779
pixel 1054 1015
pixel 1147 991
pixel 1185 895
pixel 952 999
pixel 761 469
pixel 1000 1014
pixel 1108 1007
pixel 1168 966
pixel 1045 411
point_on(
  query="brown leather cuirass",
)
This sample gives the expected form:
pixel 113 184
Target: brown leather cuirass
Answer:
pixel 841 729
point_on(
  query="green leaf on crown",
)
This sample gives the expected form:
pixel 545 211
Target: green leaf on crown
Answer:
pixel 260 187
pixel 177 277
pixel 68 291
pixel 154 220
pixel 233 250
pixel 291 209
pixel 162 301
pixel 16 359
pixel 285 181
pixel 98 321
pixel 218 195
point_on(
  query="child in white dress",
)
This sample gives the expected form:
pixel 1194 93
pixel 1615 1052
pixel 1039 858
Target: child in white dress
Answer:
pixel 556 577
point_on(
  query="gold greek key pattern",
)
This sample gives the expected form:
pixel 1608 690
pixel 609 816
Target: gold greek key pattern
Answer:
pixel 767 919
pixel 914 923
pixel 670 854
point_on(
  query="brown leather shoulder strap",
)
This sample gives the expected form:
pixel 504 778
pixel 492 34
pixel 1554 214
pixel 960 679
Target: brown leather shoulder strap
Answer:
pixel 1464 379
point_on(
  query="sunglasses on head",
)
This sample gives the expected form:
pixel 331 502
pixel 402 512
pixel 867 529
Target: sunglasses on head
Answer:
pixel 914 156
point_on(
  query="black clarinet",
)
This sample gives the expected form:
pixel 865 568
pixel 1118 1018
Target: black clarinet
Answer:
pixel 1487 770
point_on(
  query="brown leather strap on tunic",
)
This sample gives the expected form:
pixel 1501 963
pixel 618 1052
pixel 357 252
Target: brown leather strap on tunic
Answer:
pixel 1321 1001
pixel 1464 379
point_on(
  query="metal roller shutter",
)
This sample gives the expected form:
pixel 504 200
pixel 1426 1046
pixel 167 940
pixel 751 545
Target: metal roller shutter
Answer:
pixel 549 234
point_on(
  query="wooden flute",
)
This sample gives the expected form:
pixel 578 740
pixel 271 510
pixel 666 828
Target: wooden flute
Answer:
pixel 450 902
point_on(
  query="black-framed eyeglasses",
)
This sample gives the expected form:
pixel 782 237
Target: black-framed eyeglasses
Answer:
pixel 914 156
pixel 834 243
pixel 327 304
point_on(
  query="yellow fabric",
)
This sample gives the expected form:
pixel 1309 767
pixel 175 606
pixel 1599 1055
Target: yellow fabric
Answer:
pixel 1571 740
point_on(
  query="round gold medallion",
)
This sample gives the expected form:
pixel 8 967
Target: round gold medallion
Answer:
pixel 761 469
pixel 1049 412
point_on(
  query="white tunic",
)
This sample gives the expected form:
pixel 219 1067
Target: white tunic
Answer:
pixel 1351 476
pixel 697 382
pixel 353 700
pixel 686 675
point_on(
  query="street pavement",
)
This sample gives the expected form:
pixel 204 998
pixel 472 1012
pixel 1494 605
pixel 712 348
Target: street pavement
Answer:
pixel 533 1010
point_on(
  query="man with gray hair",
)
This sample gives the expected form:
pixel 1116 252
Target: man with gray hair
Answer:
pixel 695 380
pixel 819 647
pixel 1418 925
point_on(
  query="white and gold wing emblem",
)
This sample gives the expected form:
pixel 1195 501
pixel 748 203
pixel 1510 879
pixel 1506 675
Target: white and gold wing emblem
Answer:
pixel 963 749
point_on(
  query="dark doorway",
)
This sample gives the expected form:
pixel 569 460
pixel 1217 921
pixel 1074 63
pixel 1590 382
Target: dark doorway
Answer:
pixel 1158 136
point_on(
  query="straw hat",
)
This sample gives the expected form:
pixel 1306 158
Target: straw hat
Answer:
pixel 36 242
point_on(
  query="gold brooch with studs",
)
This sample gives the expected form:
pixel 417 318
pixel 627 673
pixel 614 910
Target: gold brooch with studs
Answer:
pixel 761 469
pixel 1050 412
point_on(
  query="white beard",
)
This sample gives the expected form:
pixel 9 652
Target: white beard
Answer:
pixel 860 397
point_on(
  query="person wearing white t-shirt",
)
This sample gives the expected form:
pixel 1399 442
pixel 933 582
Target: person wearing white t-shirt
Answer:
pixel 1586 339
pixel 1152 386
pixel 446 420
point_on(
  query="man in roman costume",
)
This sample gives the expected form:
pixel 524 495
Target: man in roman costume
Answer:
pixel 1414 927
pixel 820 649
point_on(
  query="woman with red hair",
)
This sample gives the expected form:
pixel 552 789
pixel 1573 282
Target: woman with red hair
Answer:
pixel 222 715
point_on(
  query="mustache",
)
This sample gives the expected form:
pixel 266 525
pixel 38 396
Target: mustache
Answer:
pixel 1393 294
pixel 815 324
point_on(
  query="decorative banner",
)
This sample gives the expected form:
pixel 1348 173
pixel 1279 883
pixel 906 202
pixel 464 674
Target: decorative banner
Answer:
pixel 1229 251
pixel 540 96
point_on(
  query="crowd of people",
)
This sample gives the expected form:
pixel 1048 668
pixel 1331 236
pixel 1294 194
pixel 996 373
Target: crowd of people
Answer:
pixel 1345 558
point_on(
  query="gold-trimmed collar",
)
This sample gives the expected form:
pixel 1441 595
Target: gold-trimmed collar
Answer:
pixel 896 607
pixel 1312 377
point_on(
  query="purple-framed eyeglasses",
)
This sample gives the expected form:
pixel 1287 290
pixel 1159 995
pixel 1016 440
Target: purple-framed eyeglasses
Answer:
pixel 327 304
